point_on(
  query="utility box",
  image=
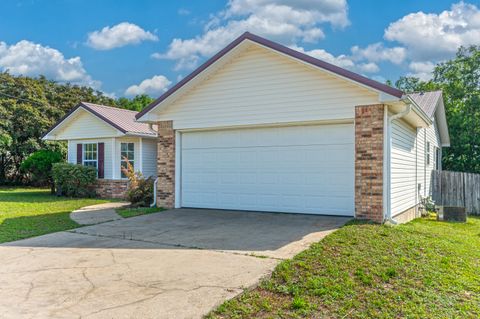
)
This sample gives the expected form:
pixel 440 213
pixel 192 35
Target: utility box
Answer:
pixel 452 214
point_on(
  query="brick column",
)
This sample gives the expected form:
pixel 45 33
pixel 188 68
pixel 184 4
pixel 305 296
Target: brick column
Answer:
pixel 369 162
pixel 166 165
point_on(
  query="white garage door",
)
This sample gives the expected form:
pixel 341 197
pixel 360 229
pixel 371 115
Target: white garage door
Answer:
pixel 297 169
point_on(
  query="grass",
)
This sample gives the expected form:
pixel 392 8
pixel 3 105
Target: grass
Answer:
pixel 423 269
pixel 28 212
pixel 132 212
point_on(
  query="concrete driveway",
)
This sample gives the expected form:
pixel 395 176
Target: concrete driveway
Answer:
pixel 174 264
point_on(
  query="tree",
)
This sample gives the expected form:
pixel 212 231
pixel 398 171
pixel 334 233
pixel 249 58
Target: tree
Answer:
pixel 459 79
pixel 39 165
pixel 28 107
pixel 138 103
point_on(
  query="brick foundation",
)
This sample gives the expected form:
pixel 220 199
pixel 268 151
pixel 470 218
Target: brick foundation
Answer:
pixel 369 122
pixel 166 165
pixel 407 215
pixel 111 188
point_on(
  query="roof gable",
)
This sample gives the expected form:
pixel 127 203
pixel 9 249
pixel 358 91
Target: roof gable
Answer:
pixel 248 37
pixel 119 121
pixel 431 103
pixel 82 124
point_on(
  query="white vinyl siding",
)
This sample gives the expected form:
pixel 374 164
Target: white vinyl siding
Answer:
pixel 297 169
pixel 149 149
pixel 261 87
pixel 409 164
pixel 403 163
pixel 85 125
pixel 149 156
pixel 72 153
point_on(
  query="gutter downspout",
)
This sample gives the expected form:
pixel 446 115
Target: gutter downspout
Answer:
pixel 154 193
pixel 390 119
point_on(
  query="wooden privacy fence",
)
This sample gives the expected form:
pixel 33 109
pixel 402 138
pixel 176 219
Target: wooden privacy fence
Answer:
pixel 457 189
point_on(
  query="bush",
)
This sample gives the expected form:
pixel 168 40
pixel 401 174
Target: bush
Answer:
pixel 140 189
pixel 428 206
pixel 74 180
pixel 39 165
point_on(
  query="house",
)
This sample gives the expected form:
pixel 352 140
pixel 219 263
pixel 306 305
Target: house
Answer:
pixel 103 137
pixel 262 127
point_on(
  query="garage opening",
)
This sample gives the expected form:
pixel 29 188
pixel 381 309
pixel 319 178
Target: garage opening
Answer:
pixel 293 169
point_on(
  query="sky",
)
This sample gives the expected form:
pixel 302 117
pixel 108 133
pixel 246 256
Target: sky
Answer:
pixel 125 48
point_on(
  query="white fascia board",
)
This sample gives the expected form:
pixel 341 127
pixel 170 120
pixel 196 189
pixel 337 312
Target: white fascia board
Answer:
pixel 442 124
pixel 416 108
pixel 134 134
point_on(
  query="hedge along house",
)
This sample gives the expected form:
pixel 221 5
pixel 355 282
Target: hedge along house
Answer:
pixel 262 127
pixel 102 137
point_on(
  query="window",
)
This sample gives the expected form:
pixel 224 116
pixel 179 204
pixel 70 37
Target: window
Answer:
pixel 427 152
pixel 437 158
pixel 127 151
pixel 90 155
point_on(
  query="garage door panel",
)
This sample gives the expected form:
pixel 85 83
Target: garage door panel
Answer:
pixel 304 169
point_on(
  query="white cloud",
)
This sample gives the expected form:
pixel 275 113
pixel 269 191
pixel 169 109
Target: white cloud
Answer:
pixel 342 60
pixel 421 70
pixel 429 36
pixel 31 59
pixel 369 67
pixel 120 35
pixel 154 86
pixel 287 21
pixel 377 52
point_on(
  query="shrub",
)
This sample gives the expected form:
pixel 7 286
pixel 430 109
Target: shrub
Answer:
pixel 427 205
pixel 39 165
pixel 140 189
pixel 74 180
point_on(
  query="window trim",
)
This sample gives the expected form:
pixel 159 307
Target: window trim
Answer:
pixel 84 153
pixel 121 158
pixel 437 158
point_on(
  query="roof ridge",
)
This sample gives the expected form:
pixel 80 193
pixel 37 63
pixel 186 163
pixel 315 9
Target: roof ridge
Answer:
pixel 110 107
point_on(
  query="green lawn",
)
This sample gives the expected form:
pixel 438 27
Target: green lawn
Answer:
pixel 423 269
pixel 28 212
pixel 132 212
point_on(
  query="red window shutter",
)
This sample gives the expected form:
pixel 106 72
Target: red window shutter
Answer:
pixel 79 154
pixel 101 160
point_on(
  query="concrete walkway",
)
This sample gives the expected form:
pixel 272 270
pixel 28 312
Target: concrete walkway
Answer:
pixel 96 214
pixel 173 264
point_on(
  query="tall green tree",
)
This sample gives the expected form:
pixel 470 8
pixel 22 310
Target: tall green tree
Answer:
pixel 135 104
pixel 459 79
pixel 28 107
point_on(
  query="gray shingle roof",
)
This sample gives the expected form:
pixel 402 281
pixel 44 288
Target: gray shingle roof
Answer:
pixel 426 100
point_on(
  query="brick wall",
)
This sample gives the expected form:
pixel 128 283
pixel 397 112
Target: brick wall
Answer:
pixel 166 165
pixel 109 188
pixel 369 162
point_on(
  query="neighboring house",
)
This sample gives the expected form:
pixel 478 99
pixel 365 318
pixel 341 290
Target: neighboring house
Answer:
pixel 262 127
pixel 102 137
